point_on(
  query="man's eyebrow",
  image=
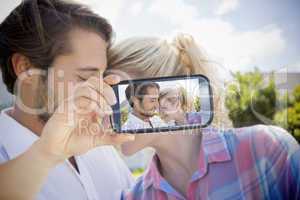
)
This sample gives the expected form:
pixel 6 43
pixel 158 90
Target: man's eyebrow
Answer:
pixel 88 69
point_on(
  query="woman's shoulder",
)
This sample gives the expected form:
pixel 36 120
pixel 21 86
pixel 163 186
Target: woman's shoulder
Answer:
pixel 259 131
pixel 194 117
pixel 264 139
pixel 263 132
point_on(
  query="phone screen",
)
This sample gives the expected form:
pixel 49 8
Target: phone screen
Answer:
pixel 162 104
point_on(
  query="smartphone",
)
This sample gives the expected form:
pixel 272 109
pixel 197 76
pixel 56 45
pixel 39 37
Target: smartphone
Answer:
pixel 162 104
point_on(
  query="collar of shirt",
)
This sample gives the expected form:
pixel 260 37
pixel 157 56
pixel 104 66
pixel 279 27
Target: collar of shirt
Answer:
pixel 63 179
pixel 19 133
pixel 213 149
pixel 155 121
pixel 135 119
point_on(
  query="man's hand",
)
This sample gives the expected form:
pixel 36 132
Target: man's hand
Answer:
pixel 79 124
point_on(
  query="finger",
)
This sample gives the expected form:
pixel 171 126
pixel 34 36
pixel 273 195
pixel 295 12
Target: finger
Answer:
pixel 104 122
pixel 85 104
pixel 103 88
pixel 95 128
pixel 104 128
pixel 89 126
pixel 112 79
pixel 103 108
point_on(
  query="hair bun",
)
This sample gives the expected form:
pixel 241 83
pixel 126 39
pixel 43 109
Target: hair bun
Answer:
pixel 185 44
pixel 183 41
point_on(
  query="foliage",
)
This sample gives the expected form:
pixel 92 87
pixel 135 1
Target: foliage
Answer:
pixel 249 100
pixel 197 104
pixel 289 117
pixel 124 114
pixel 138 172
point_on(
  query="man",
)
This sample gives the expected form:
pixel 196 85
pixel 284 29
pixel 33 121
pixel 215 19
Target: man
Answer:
pixel 143 99
pixel 52 58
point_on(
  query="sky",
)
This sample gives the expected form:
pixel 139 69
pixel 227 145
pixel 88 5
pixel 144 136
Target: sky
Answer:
pixel 236 34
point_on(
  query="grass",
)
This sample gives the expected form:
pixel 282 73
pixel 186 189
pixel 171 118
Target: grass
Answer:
pixel 137 172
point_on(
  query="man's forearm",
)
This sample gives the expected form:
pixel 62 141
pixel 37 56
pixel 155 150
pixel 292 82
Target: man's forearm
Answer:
pixel 23 177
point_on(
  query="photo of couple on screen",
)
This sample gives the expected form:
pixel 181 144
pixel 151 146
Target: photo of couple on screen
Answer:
pixel 155 104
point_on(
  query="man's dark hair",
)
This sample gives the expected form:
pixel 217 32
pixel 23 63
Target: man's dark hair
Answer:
pixel 138 90
pixel 38 29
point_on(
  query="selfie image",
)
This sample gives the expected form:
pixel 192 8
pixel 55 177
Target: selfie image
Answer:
pixel 163 104
pixel 149 100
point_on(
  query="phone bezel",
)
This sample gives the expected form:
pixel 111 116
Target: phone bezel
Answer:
pixel 117 118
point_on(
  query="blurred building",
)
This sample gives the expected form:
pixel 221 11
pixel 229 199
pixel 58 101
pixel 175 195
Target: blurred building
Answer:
pixel 284 81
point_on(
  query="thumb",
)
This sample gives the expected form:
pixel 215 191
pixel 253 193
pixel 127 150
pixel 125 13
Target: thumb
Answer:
pixel 112 79
pixel 113 139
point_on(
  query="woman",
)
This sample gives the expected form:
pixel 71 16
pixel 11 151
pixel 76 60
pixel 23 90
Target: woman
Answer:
pixel 176 108
pixel 258 162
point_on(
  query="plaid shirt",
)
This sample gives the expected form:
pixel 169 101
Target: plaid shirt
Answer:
pixel 258 162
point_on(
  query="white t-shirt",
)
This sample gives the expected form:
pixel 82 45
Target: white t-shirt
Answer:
pixel 103 174
pixel 133 122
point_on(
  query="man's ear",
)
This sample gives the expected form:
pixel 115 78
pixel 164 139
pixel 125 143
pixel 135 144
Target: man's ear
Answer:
pixel 20 63
pixel 134 100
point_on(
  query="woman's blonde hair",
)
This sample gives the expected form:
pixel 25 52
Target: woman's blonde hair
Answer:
pixel 154 57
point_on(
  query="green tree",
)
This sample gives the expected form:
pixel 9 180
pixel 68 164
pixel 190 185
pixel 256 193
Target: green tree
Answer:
pixel 250 100
pixel 197 104
pixel 289 116
pixel 124 114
